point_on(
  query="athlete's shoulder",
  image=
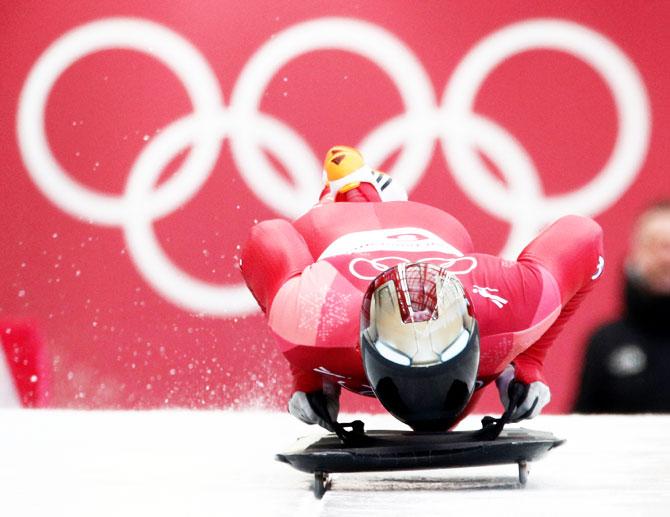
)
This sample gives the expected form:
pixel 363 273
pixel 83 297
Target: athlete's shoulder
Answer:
pixel 273 252
pixel 571 250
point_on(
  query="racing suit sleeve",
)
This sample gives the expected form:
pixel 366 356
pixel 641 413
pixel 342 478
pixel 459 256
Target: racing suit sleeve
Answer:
pixel 274 253
pixel 305 380
pixel 571 250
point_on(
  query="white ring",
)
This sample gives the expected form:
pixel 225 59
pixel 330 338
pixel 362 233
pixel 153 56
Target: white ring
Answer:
pixel 614 67
pixel 362 38
pixel 168 47
pixel 155 267
pixel 149 257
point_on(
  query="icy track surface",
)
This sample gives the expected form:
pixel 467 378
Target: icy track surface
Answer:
pixel 164 463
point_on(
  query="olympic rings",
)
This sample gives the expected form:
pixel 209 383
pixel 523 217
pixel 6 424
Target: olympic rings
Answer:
pixel 381 264
pixel 462 133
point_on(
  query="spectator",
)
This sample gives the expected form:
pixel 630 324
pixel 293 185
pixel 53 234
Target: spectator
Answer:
pixel 627 367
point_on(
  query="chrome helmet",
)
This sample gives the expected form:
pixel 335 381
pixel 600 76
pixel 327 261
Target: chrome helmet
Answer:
pixel 420 344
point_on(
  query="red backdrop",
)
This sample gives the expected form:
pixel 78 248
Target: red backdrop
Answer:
pixel 122 217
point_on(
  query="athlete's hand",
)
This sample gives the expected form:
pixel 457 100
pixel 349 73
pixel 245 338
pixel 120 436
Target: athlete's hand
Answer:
pixel 317 407
pixel 529 398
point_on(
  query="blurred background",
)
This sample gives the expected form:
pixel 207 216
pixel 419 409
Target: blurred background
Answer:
pixel 141 140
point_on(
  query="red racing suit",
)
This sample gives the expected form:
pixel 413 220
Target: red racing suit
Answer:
pixel 309 278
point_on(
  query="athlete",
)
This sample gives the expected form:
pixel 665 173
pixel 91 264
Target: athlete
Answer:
pixel 387 297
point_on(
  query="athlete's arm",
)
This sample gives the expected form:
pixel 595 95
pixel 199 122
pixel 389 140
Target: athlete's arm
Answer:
pixel 273 253
pixel 571 251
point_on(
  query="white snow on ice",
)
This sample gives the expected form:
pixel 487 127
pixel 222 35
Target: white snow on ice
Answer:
pixel 202 463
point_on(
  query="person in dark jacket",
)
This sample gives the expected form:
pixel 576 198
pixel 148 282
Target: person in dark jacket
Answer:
pixel 627 366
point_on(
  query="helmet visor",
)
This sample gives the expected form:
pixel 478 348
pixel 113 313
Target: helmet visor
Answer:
pixel 417 315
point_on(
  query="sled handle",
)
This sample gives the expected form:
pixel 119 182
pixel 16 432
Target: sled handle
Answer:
pixel 492 427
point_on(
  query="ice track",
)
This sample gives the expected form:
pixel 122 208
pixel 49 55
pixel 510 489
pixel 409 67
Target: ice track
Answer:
pixel 164 463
